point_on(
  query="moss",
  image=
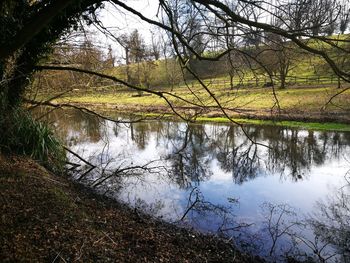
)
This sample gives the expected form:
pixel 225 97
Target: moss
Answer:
pixel 317 126
pixel 292 124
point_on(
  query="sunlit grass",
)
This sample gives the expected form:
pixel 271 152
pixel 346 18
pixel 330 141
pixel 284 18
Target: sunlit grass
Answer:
pixel 297 99
pixel 292 124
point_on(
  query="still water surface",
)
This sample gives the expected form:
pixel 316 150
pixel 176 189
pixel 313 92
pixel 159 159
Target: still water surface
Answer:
pixel 290 198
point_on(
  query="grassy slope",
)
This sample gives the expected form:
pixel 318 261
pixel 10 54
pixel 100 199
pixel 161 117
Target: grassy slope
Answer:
pixel 305 100
pixel 46 218
pixel 301 104
pixel 302 99
pixel 305 68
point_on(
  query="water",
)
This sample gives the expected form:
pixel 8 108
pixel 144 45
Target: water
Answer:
pixel 290 198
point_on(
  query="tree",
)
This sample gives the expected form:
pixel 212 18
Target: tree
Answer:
pixel 172 68
pixel 276 57
pixel 137 47
pixel 340 59
pixel 155 47
pixel 344 17
pixel 135 52
pixel 312 17
pixel 185 18
pixel 294 14
pixel 323 15
pixel 29 28
pixel 123 40
pixel 82 53
pixel 110 57
pixel 254 35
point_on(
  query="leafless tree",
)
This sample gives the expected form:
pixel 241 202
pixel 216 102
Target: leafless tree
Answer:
pixel 277 222
pixel 344 16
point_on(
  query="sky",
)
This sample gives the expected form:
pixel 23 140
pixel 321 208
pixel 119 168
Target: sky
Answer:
pixel 119 22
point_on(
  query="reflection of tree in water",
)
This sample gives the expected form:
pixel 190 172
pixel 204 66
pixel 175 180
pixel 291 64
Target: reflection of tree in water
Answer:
pixel 286 237
pixel 241 159
pixel 322 237
pixel 314 150
pixel 189 157
pixel 332 222
pixel 92 127
pixel 209 216
pixel 296 152
pixel 73 126
pixel 140 132
pixel 190 150
pixel 287 151
pixel 335 143
pixel 292 153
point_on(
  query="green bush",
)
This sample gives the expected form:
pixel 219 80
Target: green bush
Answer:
pixel 22 134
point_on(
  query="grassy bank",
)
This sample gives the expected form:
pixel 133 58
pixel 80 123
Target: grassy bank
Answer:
pixel 299 107
pixel 46 218
pixel 317 126
pixel 291 99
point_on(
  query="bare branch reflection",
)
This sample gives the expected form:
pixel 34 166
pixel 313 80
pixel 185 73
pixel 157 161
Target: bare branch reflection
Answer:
pixel 170 170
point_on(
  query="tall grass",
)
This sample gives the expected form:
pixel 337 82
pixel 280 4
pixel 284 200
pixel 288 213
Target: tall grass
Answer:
pixel 22 134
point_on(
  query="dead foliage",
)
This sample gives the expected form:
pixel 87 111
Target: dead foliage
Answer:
pixel 46 218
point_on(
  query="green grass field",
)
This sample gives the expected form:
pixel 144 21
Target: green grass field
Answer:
pixel 292 99
pixel 310 85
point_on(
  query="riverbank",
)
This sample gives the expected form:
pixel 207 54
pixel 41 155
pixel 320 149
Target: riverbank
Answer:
pixel 48 218
pixel 321 122
pixel 299 107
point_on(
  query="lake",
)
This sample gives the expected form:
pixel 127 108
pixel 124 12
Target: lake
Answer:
pixel 287 197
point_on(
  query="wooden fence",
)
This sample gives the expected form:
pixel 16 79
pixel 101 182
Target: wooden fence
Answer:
pixel 266 82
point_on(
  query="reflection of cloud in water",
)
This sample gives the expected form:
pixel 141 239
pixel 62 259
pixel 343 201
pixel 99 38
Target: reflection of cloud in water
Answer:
pixel 219 176
pixel 300 168
pixel 120 146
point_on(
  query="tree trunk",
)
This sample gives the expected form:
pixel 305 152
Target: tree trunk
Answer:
pixel 127 61
pixel 231 81
pixel 283 81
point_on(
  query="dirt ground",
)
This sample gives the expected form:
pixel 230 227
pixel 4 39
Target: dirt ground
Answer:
pixel 48 218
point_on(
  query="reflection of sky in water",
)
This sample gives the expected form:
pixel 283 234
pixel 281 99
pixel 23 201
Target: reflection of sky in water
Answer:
pixel 265 185
pixel 301 194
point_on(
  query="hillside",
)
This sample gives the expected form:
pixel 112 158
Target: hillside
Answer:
pixel 303 68
pixel 312 92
